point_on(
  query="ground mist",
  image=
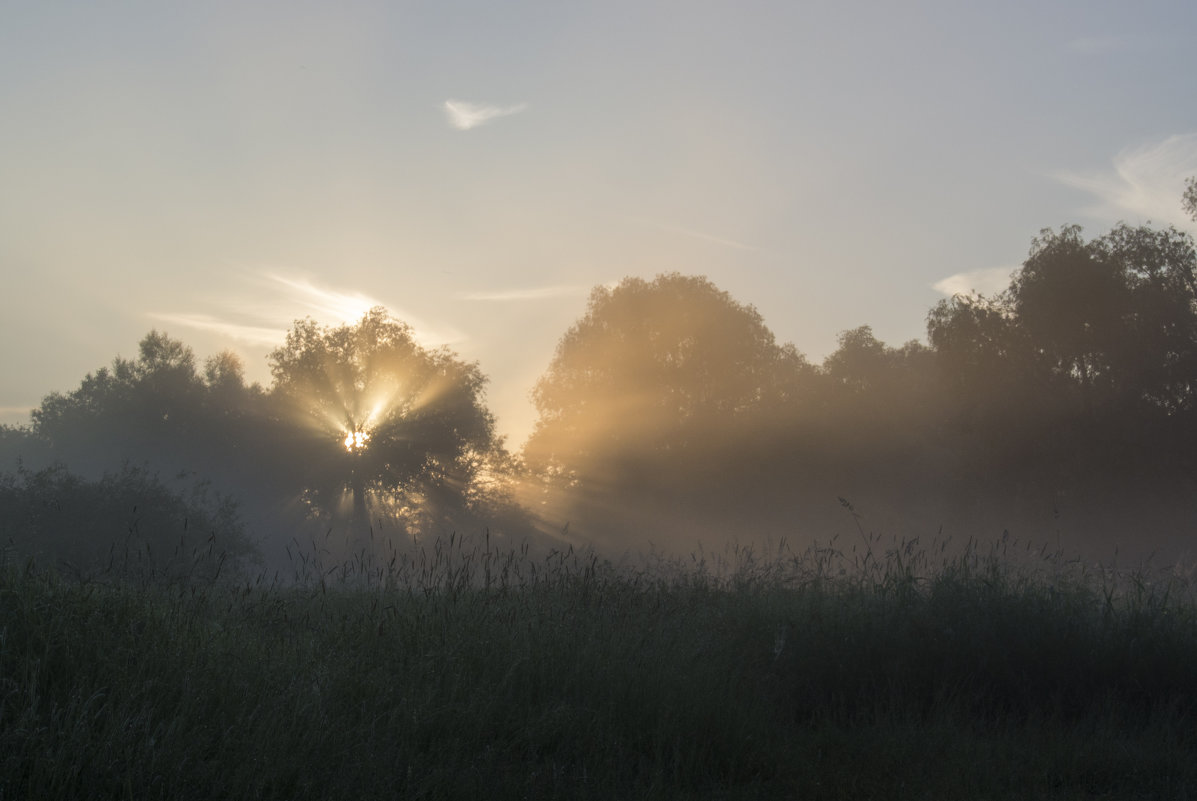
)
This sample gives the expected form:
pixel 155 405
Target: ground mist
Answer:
pixel 871 669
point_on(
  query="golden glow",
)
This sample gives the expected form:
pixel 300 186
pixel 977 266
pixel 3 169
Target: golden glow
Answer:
pixel 344 307
pixel 356 440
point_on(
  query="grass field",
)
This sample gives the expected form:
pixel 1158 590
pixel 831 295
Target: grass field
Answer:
pixel 887 670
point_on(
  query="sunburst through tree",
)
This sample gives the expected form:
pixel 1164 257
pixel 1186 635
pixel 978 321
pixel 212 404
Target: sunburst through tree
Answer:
pixel 379 423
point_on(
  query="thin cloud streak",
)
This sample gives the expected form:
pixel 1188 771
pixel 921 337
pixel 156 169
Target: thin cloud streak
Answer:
pixel 249 334
pixel 534 293
pixel 1145 182
pixel 270 321
pixel 344 307
pixel 676 229
pixel 986 281
pixel 464 116
pixel 15 412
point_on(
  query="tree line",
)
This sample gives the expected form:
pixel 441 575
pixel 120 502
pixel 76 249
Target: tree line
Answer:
pixel 1063 403
pixel 670 416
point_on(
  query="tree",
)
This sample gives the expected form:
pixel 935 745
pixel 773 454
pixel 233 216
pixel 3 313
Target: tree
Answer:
pixel 422 438
pixel 1115 317
pixel 1190 197
pixel 656 406
pixel 1156 348
pixel 1073 304
pixel 1109 322
pixel 156 409
pixel 652 365
pixel 993 382
pixel 364 410
pixel 977 340
pixel 871 390
pixel 1079 380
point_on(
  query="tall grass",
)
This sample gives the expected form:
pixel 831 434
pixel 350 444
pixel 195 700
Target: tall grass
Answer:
pixel 458 669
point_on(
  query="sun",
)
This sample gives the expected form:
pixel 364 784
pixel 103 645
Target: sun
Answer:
pixel 356 441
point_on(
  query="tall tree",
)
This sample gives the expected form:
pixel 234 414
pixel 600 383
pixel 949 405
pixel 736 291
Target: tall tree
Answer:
pixel 979 344
pixel 1073 304
pixel 370 411
pixel 1112 320
pixel 657 404
pixel 1156 350
pixel 652 365
pixel 1116 316
pixel 1080 379
pixel 871 388
pixel 155 409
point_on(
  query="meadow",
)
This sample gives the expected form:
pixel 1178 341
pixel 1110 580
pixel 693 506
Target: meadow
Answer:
pixel 875 668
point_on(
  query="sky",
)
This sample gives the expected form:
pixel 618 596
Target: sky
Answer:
pixel 217 170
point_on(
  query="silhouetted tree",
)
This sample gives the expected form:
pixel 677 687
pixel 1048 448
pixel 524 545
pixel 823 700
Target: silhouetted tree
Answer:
pixel 652 365
pixel 1073 304
pixel 656 406
pixel 1116 317
pixel 1112 321
pixel 877 436
pixel 1157 351
pixel 425 450
pixel 369 411
pixel 864 366
pixel 876 386
pixel 982 349
pixel 156 409
pixel 1076 385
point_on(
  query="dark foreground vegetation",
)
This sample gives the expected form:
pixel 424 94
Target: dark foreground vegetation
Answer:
pixel 880 669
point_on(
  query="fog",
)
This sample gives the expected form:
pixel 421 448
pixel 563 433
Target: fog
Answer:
pixel 1058 413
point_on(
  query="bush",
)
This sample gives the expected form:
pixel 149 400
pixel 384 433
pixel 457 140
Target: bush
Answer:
pixel 127 524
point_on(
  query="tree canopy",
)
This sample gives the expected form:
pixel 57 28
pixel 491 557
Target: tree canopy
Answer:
pixel 1110 321
pixel 654 382
pixel 658 365
pixel 369 410
pixel 1074 388
pixel 155 409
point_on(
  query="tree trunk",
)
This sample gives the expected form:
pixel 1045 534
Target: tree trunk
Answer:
pixel 360 523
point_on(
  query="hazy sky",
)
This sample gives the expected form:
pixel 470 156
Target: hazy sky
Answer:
pixel 218 169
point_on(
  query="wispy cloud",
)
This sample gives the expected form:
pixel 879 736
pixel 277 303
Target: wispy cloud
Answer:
pixel 1145 182
pixel 264 318
pixel 531 293
pixel 327 304
pixel 463 116
pixel 717 240
pixel 15 414
pixel 249 334
pixel 336 307
pixel 986 281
